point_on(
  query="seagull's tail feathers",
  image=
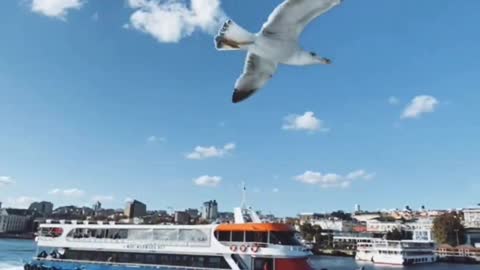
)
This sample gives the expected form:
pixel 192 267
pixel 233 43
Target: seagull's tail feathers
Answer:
pixel 231 36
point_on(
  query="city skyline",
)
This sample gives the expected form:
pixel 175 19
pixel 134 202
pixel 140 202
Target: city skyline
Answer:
pixel 98 104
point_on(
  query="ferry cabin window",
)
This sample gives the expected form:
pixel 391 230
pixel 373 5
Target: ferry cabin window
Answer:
pixel 256 237
pixel 284 238
pixel 224 236
pixel 237 236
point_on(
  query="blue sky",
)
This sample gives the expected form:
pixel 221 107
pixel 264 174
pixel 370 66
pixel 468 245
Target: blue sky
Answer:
pixel 128 99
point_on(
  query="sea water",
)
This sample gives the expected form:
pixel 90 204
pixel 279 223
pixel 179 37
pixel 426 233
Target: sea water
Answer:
pixel 14 253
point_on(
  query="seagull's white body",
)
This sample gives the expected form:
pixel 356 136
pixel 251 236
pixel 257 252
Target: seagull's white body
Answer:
pixel 276 43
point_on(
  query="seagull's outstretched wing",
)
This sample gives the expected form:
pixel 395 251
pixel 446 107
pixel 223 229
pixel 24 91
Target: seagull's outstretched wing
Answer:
pixel 256 73
pixel 290 18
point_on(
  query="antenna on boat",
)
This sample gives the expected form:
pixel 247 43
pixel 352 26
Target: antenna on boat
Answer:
pixel 243 205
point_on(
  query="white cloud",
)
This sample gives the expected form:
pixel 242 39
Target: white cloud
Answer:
pixel 332 180
pixel 6 180
pixel 208 181
pixel 420 105
pixel 72 192
pixel 20 202
pixel 103 198
pixel 55 8
pixel 156 139
pixel 307 122
pixel 360 174
pixel 393 100
pixel 275 190
pixel 172 20
pixel 204 152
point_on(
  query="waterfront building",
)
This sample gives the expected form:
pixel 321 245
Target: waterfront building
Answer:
pixel 210 210
pixel 135 209
pixel 181 217
pixel 42 208
pixel 472 217
pixel 193 213
pixel 225 217
pixel 376 226
pixel 421 229
pixel 472 236
pixel 14 220
pixel 357 208
pixel 309 217
pixel 72 212
pixel 364 216
pixel 97 206
pixel 332 224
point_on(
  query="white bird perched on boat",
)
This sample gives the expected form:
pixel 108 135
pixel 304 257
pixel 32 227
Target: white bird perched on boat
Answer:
pixel 276 43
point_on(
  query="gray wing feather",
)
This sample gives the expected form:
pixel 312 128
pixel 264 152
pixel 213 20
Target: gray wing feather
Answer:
pixel 290 18
pixel 257 72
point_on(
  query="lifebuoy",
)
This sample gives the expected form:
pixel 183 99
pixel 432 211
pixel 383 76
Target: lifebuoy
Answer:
pixel 255 248
pixel 233 248
pixel 243 248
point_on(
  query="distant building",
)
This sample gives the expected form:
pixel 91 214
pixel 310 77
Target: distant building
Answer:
pixel 135 209
pixel 309 217
pixel 336 225
pixel 210 210
pixel 472 217
pixel 181 217
pixel 376 226
pixel 97 206
pixel 14 220
pixel 42 208
pixel 105 212
pixel 364 217
pixel 193 213
pixel 473 237
pixel 226 217
pixel 357 208
pixel 422 229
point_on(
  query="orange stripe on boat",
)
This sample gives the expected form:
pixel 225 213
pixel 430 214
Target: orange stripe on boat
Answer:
pixel 255 227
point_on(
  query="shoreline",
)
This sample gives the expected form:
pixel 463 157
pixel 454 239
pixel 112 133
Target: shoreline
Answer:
pixel 24 236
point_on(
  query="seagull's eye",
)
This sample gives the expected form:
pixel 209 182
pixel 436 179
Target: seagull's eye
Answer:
pixel 313 54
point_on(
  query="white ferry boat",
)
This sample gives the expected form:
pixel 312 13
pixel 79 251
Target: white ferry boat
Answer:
pixel 237 246
pixel 403 252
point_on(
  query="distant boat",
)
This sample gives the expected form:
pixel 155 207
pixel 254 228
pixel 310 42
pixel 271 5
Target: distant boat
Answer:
pixel 403 252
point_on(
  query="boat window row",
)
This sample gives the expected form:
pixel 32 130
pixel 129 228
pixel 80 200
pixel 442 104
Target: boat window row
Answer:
pixel 216 262
pixel 406 253
pixel 50 232
pixel 172 235
pixel 286 238
pixel 417 245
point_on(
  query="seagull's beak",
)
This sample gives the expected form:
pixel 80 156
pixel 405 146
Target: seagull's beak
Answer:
pixel 324 61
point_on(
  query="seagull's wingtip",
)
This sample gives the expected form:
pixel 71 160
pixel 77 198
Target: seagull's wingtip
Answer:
pixel 241 95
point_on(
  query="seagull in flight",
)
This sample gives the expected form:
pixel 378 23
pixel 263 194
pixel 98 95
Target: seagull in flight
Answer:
pixel 276 43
